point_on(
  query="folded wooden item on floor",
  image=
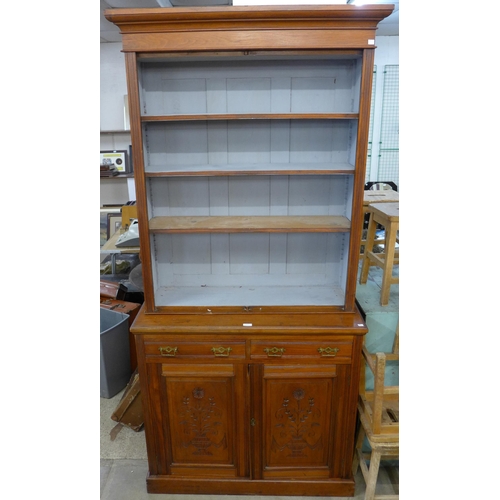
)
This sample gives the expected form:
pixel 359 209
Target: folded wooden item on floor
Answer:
pixel 129 411
pixel 112 290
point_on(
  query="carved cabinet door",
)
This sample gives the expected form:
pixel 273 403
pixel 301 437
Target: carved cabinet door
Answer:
pixel 295 418
pixel 203 417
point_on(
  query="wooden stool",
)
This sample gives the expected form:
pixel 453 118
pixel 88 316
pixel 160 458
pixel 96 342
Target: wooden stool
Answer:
pixel 387 215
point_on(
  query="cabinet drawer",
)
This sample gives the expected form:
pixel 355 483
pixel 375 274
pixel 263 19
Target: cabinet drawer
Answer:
pixel 173 349
pixel 333 349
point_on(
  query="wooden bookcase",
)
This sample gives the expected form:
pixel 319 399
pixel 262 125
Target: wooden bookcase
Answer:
pixel 249 130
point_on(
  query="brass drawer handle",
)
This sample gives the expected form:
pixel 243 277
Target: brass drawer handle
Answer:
pixel 168 351
pixel 328 351
pixel 274 351
pixel 221 351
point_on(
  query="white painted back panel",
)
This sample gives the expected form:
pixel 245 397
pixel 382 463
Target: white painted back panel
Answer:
pixel 245 261
pixel 295 144
pixel 250 86
pixel 250 195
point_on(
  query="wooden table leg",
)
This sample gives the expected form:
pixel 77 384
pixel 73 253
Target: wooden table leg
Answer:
pixel 370 239
pixel 389 250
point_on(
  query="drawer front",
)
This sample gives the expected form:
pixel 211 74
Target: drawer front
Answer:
pixel 334 349
pixel 171 348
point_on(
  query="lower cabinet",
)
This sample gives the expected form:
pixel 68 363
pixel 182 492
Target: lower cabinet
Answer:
pixel 244 414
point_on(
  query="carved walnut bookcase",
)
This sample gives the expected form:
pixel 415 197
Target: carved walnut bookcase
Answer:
pixel 249 133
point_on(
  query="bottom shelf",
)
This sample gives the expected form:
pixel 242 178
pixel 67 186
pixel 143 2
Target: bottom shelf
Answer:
pixel 250 296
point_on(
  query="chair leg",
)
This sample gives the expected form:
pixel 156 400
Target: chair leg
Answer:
pixel 371 481
pixel 370 239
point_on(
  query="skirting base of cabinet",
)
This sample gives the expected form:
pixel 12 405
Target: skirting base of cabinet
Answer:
pixel 216 486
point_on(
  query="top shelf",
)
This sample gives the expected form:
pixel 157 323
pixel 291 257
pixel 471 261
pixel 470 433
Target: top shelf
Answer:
pixel 251 116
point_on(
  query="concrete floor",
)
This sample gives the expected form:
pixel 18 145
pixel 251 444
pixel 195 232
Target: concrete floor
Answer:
pixel 125 479
pixel 123 451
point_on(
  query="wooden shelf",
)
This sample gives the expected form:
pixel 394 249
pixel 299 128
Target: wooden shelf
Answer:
pixel 254 296
pixel 251 116
pixel 119 176
pixel 104 132
pixel 250 224
pixel 254 169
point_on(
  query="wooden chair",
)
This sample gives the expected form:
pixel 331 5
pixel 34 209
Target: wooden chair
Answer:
pixel 387 215
pixel 378 412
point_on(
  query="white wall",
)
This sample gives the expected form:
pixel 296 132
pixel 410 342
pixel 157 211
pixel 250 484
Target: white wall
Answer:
pixel 113 86
pixel 387 50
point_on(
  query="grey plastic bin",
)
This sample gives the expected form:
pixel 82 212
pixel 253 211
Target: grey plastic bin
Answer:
pixel 115 352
